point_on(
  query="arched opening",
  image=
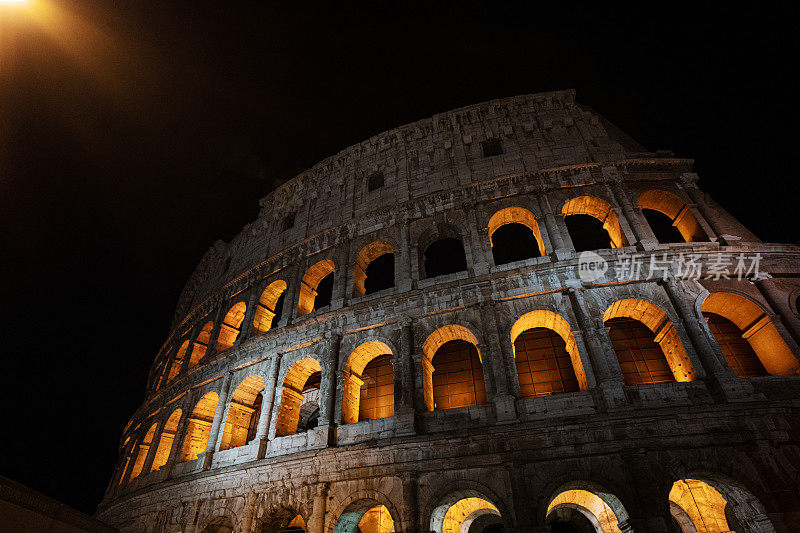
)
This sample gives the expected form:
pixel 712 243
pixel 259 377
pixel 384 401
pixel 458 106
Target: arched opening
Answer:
pixel 166 440
pixel 646 343
pixel 270 307
pixel 592 224
pixel 222 524
pixel 201 344
pixel 144 448
pixel 452 370
pixel 444 256
pixel 231 326
pixel 466 511
pixel 546 355
pixel 316 288
pixel 365 516
pixel 715 504
pixel 666 213
pixel 126 459
pixel 514 235
pixel 737 351
pixel 755 328
pixel 299 409
pixel 374 268
pixel 368 383
pixel 243 413
pixel 177 361
pixel 701 503
pixel 282 520
pixel 198 428
pixel 585 508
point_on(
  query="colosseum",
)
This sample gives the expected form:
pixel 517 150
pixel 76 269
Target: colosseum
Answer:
pixel 507 317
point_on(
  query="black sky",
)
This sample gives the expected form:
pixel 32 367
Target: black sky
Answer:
pixel 137 133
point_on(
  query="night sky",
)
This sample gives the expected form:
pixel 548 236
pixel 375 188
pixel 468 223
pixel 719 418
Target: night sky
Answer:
pixel 134 134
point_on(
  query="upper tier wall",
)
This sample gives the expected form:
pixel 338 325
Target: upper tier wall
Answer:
pixel 444 152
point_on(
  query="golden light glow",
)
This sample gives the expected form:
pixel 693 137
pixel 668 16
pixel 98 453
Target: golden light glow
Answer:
pixel 702 503
pixel 588 503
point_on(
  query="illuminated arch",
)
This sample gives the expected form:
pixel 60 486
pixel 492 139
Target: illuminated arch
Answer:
pixel 268 307
pixel 516 215
pixel 548 319
pixel 678 212
pixel 144 449
pixel 459 507
pixel 358 361
pixel 292 395
pixel 199 427
pixel 757 329
pixel 177 361
pixel 601 210
pixel 308 287
pixel 431 346
pixel 231 326
pixel 243 413
pixel 602 508
pixel 201 344
pixel 701 503
pixel 366 256
pixel 666 336
pixel 166 440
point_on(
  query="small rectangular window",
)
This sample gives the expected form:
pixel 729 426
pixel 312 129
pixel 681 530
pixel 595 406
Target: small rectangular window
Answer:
pixel 375 181
pixel 492 147
pixel 288 222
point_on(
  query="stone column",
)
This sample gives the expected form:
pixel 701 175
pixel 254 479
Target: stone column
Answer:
pixel 289 312
pixel 403 260
pixel 523 510
pixel 327 390
pixel 180 434
pixel 246 328
pixel 410 511
pixel 773 295
pixel 267 405
pixel 215 435
pixel 249 512
pixel 151 453
pixel 560 240
pixel 404 412
pixel 316 523
pixel 503 400
pixel 478 241
pixel 645 239
pixel 688 182
pixel 607 372
pixel 212 341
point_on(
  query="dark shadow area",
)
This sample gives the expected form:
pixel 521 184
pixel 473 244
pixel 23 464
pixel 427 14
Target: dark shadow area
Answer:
pixel 513 242
pixel 445 256
pixel 324 292
pixel 662 227
pixel 380 274
pixel 587 233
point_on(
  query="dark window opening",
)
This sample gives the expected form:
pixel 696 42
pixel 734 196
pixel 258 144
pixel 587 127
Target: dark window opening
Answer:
pixel 513 242
pixel 492 147
pixel 375 182
pixel 445 256
pixel 641 360
pixel 227 264
pixel 662 227
pixel 288 222
pixel 278 311
pixel 738 352
pixel 324 292
pixel 380 274
pixel 543 364
pixel 587 233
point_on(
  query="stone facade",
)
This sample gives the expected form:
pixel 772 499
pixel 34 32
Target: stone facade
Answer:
pixel 216 443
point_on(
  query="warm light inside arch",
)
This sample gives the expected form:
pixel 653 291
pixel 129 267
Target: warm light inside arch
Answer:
pixel 588 502
pixel 266 308
pixel 231 326
pixel 677 210
pixel 292 395
pixel 548 319
pixel 243 413
pixel 353 373
pixel 309 284
pixel 666 336
pixel 757 329
pixel 602 211
pixel 199 427
pixel 702 503
pixel 516 215
pixel 365 256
